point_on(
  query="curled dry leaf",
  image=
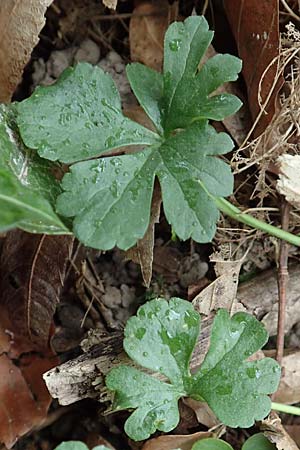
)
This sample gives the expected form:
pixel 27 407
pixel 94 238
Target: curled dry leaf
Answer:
pixel 148 25
pixel 20 24
pixel 222 292
pixel 142 253
pixel 33 269
pixel 255 26
pixel 184 442
pixel 288 184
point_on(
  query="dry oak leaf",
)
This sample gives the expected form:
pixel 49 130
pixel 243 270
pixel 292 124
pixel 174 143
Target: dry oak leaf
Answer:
pixel 255 25
pixel 20 24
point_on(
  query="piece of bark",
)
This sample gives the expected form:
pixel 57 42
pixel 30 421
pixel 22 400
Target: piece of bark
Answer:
pixel 260 297
pixel 83 377
pixel 20 24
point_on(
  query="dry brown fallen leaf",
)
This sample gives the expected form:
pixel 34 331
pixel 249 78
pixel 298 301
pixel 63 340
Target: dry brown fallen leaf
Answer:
pixel 142 253
pixel 255 25
pixel 275 432
pixel 24 398
pixel 20 24
pixel 148 25
pixel 32 273
pixel 294 432
pixel 170 442
pixel 288 184
pixel 203 413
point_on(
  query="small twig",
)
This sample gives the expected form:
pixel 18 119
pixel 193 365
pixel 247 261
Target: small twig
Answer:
pixel 204 9
pixel 282 279
pixel 125 16
pixel 289 10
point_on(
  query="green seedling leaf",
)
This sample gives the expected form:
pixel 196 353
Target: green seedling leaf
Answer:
pixel 27 189
pixel 161 338
pixel 258 442
pixel 212 444
pixel 80 117
pixel 78 445
pixel 71 445
pixel 255 442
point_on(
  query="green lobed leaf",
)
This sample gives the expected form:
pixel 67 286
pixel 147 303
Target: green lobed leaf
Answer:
pixel 236 389
pixel 111 197
pixel 27 189
pixel 155 401
pixel 165 347
pixel 78 117
pixel 185 89
pixel 161 338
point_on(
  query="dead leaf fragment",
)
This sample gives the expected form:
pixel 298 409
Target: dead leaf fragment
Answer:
pixel 255 26
pixel 142 253
pixel 289 387
pixel 204 414
pixel 275 432
pixel 147 29
pixel 222 292
pixel 170 442
pixel 20 24
pixel 288 184
pixel 111 4
pixel 32 272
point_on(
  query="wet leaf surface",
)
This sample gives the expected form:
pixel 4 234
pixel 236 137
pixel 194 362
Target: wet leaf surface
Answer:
pixel 27 189
pixel 161 338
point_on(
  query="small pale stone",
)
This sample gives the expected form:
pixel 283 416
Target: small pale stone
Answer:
pixel 88 52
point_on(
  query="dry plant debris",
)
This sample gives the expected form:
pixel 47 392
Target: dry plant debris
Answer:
pixel 20 24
